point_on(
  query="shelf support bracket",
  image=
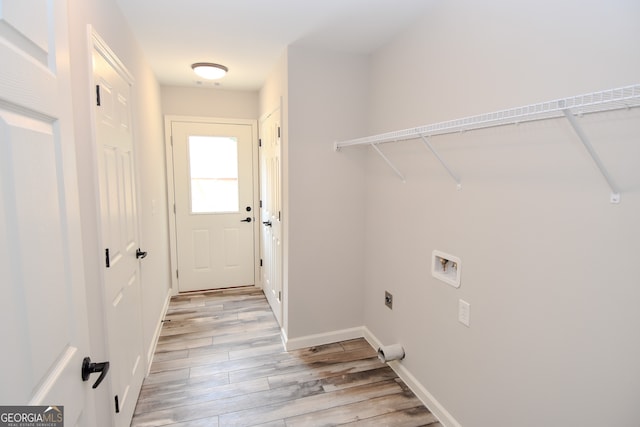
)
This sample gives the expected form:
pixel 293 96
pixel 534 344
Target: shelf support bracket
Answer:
pixel 388 162
pixel 615 193
pixel 441 160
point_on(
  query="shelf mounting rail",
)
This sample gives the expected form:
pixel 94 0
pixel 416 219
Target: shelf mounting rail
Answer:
pixel 626 97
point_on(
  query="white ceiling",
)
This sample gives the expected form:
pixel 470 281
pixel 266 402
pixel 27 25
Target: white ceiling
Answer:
pixel 249 36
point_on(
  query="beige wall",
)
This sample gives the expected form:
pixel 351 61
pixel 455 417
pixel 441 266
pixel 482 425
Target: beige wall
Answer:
pixel 549 266
pixel 195 101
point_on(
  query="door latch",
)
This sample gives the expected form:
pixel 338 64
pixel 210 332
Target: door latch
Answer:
pixel 89 368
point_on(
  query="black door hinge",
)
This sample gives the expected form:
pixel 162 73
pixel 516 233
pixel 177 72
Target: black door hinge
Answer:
pixel 260 203
pixel 98 95
pixel 107 261
pixel 117 405
pixel 278 131
pixel 260 142
pixel 261 263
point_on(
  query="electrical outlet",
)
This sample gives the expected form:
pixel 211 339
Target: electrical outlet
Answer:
pixel 388 300
pixel 464 312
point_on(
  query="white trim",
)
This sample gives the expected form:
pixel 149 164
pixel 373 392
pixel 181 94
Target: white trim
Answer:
pixel 283 337
pixel 320 339
pixel 445 418
pixel 156 336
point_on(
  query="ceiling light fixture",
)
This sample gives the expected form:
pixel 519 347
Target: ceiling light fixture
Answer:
pixel 209 71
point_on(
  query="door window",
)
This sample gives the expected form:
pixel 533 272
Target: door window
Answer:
pixel 213 168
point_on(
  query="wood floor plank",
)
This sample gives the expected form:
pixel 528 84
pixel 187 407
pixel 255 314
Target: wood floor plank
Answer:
pixel 356 411
pixel 191 396
pixel 414 417
pixel 288 364
pixel 258 341
pixel 220 361
pixel 238 365
pixel 183 344
pixel 202 422
pixel 228 405
pixel 161 389
pixel 305 404
pixel 280 379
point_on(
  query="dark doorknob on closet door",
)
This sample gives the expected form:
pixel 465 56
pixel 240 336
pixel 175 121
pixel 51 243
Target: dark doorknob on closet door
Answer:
pixel 89 368
pixel 140 254
pixel 267 223
pixel 247 219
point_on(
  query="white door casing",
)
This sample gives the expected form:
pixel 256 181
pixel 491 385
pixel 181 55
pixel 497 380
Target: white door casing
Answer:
pixel 44 329
pixel 215 244
pixel 119 229
pixel 271 211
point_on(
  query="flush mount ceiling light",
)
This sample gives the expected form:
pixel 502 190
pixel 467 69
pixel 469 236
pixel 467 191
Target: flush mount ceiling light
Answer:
pixel 209 70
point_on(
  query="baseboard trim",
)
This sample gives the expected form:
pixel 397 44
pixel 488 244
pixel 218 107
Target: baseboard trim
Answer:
pixel 158 331
pixel 446 419
pixel 320 339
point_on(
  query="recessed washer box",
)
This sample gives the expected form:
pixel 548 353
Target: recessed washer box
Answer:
pixel 446 267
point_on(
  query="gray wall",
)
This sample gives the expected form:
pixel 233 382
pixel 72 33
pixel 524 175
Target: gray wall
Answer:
pixel 326 197
pixel 549 266
pixel 219 103
pixel 323 193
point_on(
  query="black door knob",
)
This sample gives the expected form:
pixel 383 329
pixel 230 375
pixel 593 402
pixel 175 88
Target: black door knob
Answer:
pixel 89 368
pixel 267 223
pixel 140 254
pixel 247 219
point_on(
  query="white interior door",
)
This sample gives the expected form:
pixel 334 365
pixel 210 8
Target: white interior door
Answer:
pixel 215 221
pixel 43 331
pixel 271 212
pixel 119 220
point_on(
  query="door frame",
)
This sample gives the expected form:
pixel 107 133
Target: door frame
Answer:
pixel 171 199
pixel 280 309
pixel 96 44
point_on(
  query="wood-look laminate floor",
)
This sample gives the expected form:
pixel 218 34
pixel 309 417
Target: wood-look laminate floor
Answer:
pixel 220 362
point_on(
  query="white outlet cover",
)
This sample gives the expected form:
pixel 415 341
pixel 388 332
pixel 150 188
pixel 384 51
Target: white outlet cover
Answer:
pixel 464 312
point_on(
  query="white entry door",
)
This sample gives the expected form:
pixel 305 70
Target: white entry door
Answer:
pixel 119 222
pixel 214 204
pixel 44 332
pixel 271 212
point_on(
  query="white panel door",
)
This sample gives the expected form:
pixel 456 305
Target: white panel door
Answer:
pixel 43 331
pixel 213 183
pixel 119 220
pixel 271 212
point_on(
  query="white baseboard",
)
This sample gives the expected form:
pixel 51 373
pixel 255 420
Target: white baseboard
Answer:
pixel 446 419
pixel 156 335
pixel 320 339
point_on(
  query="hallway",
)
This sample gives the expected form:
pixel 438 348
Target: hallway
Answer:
pixel 220 362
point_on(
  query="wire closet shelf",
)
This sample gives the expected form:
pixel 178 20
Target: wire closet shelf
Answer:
pixel 606 100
